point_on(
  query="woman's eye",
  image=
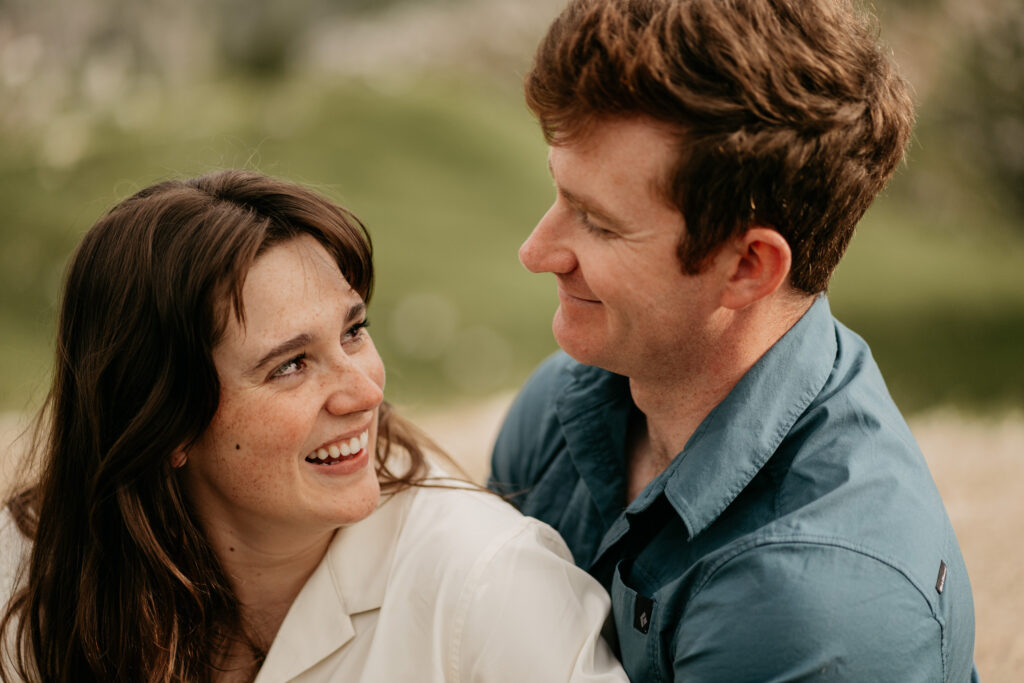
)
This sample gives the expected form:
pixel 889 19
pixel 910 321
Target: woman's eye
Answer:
pixel 290 367
pixel 356 332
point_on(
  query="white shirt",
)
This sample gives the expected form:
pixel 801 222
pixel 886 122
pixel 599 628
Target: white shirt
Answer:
pixel 436 585
pixel 448 585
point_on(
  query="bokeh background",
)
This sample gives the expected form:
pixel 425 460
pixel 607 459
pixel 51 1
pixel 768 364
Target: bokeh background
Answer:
pixel 410 114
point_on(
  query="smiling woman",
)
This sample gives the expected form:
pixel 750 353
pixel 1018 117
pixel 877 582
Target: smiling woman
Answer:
pixel 258 463
pixel 225 495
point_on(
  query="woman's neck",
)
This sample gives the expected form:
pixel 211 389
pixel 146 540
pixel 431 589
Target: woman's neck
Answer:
pixel 266 572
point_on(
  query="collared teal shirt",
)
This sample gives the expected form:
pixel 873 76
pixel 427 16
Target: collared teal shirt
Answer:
pixel 798 534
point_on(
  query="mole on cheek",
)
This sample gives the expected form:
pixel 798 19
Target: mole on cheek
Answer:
pixel 237 447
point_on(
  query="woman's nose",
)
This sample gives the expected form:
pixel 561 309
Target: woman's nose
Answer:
pixel 547 250
pixel 356 386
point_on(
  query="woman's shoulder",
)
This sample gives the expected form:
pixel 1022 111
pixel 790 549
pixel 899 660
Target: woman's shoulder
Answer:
pixel 14 549
pixel 453 526
pixel 465 506
pixel 488 578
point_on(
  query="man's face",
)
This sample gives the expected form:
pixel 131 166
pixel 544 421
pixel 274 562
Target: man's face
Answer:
pixel 610 238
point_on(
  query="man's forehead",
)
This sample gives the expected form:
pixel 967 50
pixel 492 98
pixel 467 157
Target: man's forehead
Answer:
pixel 638 153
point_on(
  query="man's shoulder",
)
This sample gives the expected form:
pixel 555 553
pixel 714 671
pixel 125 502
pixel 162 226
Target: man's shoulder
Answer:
pixel 850 469
pixel 847 555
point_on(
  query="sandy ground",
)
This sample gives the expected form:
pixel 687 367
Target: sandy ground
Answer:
pixel 977 463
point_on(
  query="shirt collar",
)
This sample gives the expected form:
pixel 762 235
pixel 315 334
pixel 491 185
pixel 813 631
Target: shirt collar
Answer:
pixel 742 432
pixel 593 412
pixel 350 579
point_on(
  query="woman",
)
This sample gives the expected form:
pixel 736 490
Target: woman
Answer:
pixel 223 493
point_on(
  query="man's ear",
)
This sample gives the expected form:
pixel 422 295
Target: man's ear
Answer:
pixel 758 263
pixel 179 457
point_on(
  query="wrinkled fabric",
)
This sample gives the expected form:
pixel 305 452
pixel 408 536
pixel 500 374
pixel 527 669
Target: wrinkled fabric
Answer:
pixel 437 585
pixel 445 585
pixel 798 534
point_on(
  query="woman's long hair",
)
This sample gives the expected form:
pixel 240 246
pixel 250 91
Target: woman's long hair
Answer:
pixel 121 583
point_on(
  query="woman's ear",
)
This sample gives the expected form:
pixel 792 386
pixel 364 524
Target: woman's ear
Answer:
pixel 759 263
pixel 179 457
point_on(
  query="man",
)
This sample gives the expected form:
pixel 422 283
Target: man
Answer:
pixel 714 447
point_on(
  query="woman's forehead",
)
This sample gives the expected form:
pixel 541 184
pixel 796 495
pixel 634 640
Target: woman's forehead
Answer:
pixel 292 286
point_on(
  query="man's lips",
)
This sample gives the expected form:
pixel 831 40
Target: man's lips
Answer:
pixel 575 298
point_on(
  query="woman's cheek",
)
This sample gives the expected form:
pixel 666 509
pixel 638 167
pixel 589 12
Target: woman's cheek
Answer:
pixel 263 428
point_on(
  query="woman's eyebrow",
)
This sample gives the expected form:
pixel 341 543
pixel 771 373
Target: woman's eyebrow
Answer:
pixel 356 311
pixel 300 340
pixel 293 344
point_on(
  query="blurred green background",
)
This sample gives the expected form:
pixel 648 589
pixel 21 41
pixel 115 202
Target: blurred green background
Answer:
pixel 410 114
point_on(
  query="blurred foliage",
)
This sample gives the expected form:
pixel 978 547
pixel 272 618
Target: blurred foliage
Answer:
pixel 259 37
pixel 448 178
pixel 967 154
pixel 981 107
pixel 263 38
pixel 447 170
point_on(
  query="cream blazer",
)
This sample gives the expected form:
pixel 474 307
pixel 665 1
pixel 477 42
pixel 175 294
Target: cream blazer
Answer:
pixel 449 585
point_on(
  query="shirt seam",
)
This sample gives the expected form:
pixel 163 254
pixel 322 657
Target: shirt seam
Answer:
pixel 829 541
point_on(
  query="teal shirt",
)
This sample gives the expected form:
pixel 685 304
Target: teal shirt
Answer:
pixel 798 534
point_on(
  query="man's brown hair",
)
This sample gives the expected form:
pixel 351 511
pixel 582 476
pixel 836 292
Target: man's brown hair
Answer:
pixel 789 113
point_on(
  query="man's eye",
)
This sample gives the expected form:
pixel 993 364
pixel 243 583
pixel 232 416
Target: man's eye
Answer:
pixel 290 367
pixel 590 226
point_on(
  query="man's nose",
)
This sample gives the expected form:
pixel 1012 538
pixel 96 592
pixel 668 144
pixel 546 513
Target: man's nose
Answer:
pixel 547 249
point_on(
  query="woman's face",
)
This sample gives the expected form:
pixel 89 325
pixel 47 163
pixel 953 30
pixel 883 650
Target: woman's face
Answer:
pixel 291 447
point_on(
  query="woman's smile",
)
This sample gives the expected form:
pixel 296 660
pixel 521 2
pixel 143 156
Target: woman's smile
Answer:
pixel 332 453
pixel 341 457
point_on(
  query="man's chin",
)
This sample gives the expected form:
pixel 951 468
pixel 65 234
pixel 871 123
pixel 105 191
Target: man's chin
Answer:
pixel 582 345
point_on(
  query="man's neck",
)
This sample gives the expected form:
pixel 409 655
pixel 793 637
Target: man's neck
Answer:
pixel 676 397
pixel 670 414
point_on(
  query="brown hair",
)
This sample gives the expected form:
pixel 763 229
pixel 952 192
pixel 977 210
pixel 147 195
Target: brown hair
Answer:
pixel 789 114
pixel 121 583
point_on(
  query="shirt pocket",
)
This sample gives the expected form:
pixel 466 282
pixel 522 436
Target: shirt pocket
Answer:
pixel 637 625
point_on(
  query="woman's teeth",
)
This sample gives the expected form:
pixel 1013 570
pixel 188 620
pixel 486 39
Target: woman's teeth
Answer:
pixel 341 449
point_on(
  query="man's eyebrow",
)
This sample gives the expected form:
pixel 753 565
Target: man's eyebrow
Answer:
pixel 585 204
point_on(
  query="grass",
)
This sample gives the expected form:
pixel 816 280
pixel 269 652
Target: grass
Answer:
pixel 450 177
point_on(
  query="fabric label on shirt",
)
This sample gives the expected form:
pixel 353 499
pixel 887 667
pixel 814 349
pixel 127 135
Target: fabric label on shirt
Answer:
pixel 642 613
